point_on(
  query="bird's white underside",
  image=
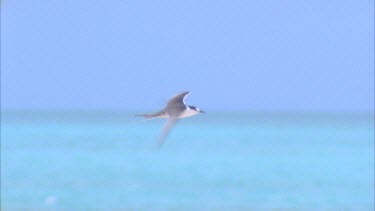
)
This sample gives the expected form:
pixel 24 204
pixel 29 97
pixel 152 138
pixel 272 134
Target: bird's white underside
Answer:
pixel 186 113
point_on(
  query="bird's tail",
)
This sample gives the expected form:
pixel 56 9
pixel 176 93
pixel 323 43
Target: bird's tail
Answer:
pixel 151 116
pixel 146 116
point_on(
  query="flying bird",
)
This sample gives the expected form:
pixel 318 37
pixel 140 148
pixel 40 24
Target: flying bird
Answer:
pixel 174 110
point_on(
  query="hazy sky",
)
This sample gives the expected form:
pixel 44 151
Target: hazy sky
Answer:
pixel 245 55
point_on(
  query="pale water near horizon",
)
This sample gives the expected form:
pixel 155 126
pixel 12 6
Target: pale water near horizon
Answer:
pixel 218 161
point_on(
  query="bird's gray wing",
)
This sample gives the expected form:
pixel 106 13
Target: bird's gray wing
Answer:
pixel 176 104
pixel 178 99
pixel 166 130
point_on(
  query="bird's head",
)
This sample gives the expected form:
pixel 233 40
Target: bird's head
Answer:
pixel 196 109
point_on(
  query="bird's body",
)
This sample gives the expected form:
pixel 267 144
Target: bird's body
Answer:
pixel 175 109
pixel 163 114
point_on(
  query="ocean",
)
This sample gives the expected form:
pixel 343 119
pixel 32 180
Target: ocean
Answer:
pixel 107 160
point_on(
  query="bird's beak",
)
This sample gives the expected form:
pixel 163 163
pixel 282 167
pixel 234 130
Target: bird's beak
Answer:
pixel 203 112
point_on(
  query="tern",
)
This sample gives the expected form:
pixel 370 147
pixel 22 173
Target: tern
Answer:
pixel 174 110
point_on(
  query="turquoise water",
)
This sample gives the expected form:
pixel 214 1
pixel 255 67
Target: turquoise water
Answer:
pixel 218 161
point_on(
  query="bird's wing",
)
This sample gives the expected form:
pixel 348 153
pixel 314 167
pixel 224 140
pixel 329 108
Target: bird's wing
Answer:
pixel 166 130
pixel 176 105
pixel 178 99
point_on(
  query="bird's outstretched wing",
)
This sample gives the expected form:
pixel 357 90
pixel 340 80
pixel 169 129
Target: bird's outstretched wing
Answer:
pixel 176 105
pixel 178 99
pixel 166 130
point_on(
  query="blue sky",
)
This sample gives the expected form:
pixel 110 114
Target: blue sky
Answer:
pixel 232 55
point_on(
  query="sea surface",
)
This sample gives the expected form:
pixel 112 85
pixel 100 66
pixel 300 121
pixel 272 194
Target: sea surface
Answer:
pixel 107 160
